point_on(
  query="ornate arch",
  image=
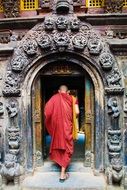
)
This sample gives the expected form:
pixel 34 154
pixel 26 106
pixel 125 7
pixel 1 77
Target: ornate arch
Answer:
pixel 62 34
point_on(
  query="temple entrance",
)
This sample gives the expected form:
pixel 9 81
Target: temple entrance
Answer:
pixel 80 85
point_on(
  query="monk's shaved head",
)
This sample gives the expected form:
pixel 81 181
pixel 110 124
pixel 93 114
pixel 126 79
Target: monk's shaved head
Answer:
pixel 63 88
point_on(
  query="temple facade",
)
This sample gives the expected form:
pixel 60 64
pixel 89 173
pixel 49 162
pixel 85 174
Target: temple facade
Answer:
pixel 80 43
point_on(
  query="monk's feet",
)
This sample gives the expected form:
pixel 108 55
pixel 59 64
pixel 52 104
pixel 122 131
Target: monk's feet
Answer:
pixel 62 179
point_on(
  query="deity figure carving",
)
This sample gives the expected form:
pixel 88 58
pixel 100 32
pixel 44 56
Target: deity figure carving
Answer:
pixel 94 45
pixel 115 172
pixel 61 41
pixel 106 61
pixel 19 62
pixel 74 24
pixel 11 8
pixel 12 108
pixel 114 142
pixel 79 41
pixel 113 6
pixel 61 23
pixel 49 23
pixel 44 41
pixel 10 170
pixel 114 79
pixel 30 46
pixel 12 82
pixel 13 135
pixel 1 108
pixel 113 110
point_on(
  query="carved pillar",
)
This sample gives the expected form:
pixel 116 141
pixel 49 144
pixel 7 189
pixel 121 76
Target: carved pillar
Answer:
pixel 11 8
pixel 113 6
pixel 10 169
pixel 115 170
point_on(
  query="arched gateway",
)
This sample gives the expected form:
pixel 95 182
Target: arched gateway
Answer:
pixel 64 48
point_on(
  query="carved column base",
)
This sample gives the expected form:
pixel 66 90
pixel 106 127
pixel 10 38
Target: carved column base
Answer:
pixel 88 159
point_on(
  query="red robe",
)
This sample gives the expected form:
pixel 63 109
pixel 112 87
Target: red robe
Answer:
pixel 58 118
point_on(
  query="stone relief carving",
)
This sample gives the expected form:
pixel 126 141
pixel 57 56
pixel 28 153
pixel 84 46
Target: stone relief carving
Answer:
pixel 1 109
pixel 11 8
pixel 114 79
pixel 49 23
pixel 106 61
pixel 30 46
pixel 10 170
pixel 62 41
pixel 13 140
pixel 19 62
pixel 62 6
pixel 114 112
pixel 12 84
pixel 114 143
pixel 44 41
pixel 79 41
pixel 74 24
pixel 94 45
pixel 115 172
pixel 113 6
pixel 12 108
pixel 61 23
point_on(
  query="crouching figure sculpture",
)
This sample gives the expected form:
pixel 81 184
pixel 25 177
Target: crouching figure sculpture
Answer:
pixel 10 170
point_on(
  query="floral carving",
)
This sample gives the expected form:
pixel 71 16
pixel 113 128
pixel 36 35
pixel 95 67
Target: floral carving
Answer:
pixel 79 41
pixel 106 61
pixel 30 46
pixel 62 23
pixel 44 41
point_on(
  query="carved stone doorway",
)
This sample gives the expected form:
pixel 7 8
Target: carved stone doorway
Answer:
pixel 80 84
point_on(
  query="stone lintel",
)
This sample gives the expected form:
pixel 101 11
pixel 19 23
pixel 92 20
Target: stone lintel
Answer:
pixel 93 19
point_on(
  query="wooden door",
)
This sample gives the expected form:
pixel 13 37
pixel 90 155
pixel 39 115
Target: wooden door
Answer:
pixel 37 116
pixel 89 122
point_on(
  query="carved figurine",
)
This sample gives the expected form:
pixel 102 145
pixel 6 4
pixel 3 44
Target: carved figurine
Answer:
pixel 62 23
pixel 113 110
pixel 12 109
pixel 44 41
pixel 62 41
pixel 19 62
pixel 115 172
pixel 106 61
pixel 115 78
pixel 30 46
pixel 49 23
pixel 13 139
pixel 10 170
pixel 11 84
pixel 94 45
pixel 79 41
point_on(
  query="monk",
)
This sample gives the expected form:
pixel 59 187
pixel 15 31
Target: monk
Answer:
pixel 59 123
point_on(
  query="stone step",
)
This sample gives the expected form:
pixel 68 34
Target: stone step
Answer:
pixel 76 181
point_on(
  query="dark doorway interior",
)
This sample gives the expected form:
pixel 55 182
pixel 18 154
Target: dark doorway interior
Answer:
pixel 50 86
